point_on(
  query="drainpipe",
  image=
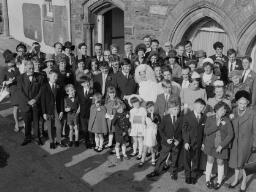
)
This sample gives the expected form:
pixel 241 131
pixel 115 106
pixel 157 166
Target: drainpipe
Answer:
pixel 6 31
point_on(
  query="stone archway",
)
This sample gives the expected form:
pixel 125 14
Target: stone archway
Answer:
pixel 95 11
pixel 176 27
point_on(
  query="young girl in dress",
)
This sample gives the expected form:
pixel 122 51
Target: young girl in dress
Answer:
pixel 150 134
pixel 97 121
pixel 110 103
pixel 72 109
pixel 138 116
pixel 122 125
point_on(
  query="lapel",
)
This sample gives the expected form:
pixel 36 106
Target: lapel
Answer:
pixel 171 129
pixel 244 118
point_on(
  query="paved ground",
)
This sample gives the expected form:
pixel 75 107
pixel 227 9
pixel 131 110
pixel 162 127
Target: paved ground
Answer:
pixel 38 169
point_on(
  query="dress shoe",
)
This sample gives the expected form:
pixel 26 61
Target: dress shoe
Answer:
pixel 52 145
pixel 174 176
pixel 193 180
pixel 152 174
pixel 188 180
pixel 217 186
pixel 39 141
pixel 209 184
pixel 139 157
pixel 25 142
pixel 230 186
pixel 76 143
pixel 70 144
pixel 61 144
pixel 166 167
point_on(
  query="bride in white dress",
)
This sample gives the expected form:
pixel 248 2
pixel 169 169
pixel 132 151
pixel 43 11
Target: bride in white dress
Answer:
pixel 145 77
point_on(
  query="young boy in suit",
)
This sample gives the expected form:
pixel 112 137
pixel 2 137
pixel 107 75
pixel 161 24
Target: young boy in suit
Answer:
pixel 171 133
pixel 192 133
pixel 85 93
pixel 53 108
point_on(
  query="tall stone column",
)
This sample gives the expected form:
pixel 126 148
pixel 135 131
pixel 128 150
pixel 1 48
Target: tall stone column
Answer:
pixel 6 31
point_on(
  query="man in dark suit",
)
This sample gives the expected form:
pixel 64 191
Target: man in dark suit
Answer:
pixel 171 138
pixel 82 48
pixel 85 93
pixel 98 50
pixel 128 52
pixel 192 133
pixel 180 48
pixel 189 53
pixel 233 62
pixel 30 88
pixel 103 80
pixel 52 101
pixel 124 82
pixel 218 47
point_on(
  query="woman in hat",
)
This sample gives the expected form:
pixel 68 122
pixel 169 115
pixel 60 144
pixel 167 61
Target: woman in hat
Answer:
pixel 172 62
pixel 145 77
pixel 9 79
pixel 194 92
pixel 68 49
pixel 236 85
pixel 49 62
pixel 244 143
pixel 208 78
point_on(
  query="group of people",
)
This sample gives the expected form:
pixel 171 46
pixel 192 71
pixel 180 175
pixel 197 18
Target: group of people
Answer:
pixel 171 104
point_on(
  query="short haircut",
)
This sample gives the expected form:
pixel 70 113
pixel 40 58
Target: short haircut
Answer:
pixel 221 104
pixel 125 61
pixel 98 45
pixel 155 41
pixel 57 43
pixel 165 68
pixel 80 45
pixel 248 58
pixel 180 44
pixel 97 97
pixel 188 42
pixel 166 82
pixel 103 64
pixel 68 87
pixel 149 104
pixel 134 100
pixel 114 58
pixel 128 43
pixel 231 51
pixel 218 45
pixel 147 37
pixel 186 68
pixel 200 101
pixel 35 43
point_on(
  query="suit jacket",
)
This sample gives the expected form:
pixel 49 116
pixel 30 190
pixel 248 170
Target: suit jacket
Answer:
pixel 224 68
pixel 98 82
pixel 132 57
pixel 87 61
pixel 182 60
pixel 50 98
pixel 238 65
pixel 161 103
pixel 29 90
pixel 168 130
pixel 193 56
pixel 65 78
pixel 251 82
pixel 123 85
pixel 192 130
pixel 85 101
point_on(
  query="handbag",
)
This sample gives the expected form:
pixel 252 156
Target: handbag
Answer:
pixel 4 93
pixel 250 166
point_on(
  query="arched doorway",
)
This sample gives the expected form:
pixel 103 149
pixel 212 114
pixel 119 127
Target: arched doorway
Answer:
pixel 204 33
pixel 107 19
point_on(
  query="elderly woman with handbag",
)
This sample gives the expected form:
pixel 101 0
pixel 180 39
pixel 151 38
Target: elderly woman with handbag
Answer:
pixel 9 80
pixel 244 143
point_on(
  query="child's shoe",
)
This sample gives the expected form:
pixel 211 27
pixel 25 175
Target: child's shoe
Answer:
pixel 70 143
pixel 76 143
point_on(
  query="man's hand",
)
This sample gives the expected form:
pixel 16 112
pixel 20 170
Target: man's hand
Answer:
pixel 219 148
pixel 187 147
pixel 32 102
pixel 169 141
pixel 67 109
pixel 45 117
pixel 60 115
pixel 176 142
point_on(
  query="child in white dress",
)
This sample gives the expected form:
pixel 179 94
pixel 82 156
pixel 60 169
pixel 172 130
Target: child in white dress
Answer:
pixel 138 116
pixel 150 133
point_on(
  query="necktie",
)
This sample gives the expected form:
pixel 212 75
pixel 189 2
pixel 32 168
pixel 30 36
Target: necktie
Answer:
pixel 85 92
pixel 30 78
pixel 166 97
pixel 243 76
pixel 198 118
pixel 174 119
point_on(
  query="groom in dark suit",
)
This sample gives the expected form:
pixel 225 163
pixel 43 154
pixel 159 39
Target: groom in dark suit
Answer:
pixel 29 85
pixel 171 134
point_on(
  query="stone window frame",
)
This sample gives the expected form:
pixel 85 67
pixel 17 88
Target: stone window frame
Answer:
pixel 48 10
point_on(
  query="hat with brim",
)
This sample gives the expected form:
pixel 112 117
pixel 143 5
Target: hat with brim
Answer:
pixel 235 73
pixel 219 62
pixel 61 57
pixel 21 45
pixel 49 57
pixel 191 62
pixel 9 56
pixel 200 54
pixel 195 75
pixel 172 54
pixel 218 83
pixel 208 60
pixel 242 94
pixel 68 45
pixel 81 78
pixel 133 96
